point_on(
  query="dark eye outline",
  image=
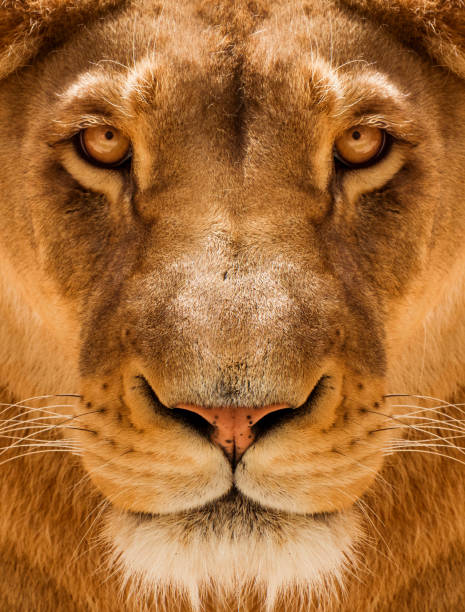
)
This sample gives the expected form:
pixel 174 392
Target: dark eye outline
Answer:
pixel 382 152
pixel 80 147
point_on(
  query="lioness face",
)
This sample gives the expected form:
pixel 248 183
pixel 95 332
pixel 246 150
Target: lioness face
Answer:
pixel 232 271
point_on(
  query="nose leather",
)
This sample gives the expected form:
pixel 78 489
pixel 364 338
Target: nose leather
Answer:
pixel 233 425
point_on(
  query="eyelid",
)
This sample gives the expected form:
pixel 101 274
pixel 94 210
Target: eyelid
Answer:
pixel 396 130
pixel 69 129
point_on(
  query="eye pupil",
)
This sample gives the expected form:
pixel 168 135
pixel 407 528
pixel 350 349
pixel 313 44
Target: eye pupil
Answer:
pixel 103 146
pixel 361 146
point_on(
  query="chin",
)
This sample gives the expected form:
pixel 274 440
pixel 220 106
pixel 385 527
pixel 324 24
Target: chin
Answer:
pixel 231 546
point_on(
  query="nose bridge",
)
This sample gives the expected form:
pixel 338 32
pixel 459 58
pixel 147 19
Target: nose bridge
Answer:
pixel 233 275
pixel 233 305
pixel 230 315
pixel 233 340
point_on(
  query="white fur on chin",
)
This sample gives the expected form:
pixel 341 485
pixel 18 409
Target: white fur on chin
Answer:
pixel 231 546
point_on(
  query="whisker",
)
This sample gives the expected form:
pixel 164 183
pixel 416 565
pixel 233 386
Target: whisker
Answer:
pixel 67 395
pixel 103 505
pixel 51 450
pixel 28 409
pixel 430 430
pixel 45 444
pixel 13 423
pixel 435 409
pixel 423 444
pixel 364 507
pixel 99 467
pixel 426 452
pixel 432 424
pixel 42 397
pixel 31 439
pixel 416 427
pixel 424 397
pixel 51 427
pixel 376 472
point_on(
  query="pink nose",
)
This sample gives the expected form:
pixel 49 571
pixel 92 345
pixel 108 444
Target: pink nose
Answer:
pixel 233 426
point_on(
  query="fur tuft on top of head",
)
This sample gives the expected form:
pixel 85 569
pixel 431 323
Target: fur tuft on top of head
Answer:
pixel 29 26
pixel 435 26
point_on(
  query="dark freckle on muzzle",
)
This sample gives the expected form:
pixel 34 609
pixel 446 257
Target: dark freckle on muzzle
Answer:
pixel 232 426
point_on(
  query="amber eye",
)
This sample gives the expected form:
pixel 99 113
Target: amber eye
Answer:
pixel 361 146
pixel 104 146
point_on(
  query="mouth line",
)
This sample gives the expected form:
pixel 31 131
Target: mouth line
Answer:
pixel 233 498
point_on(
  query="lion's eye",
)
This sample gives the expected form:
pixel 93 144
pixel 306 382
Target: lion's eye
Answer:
pixel 104 146
pixel 360 146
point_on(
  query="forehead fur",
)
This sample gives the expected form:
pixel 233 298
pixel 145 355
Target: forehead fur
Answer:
pixel 28 26
pixel 435 27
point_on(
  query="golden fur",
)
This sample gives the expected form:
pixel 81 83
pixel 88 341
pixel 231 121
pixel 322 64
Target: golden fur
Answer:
pixel 234 265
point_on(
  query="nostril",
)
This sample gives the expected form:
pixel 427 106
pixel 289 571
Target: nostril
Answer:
pixel 233 425
pixel 275 419
pixel 187 417
pixel 234 429
pixel 270 421
pixel 194 420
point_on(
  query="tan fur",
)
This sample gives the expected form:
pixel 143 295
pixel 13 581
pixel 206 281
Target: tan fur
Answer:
pixel 235 265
